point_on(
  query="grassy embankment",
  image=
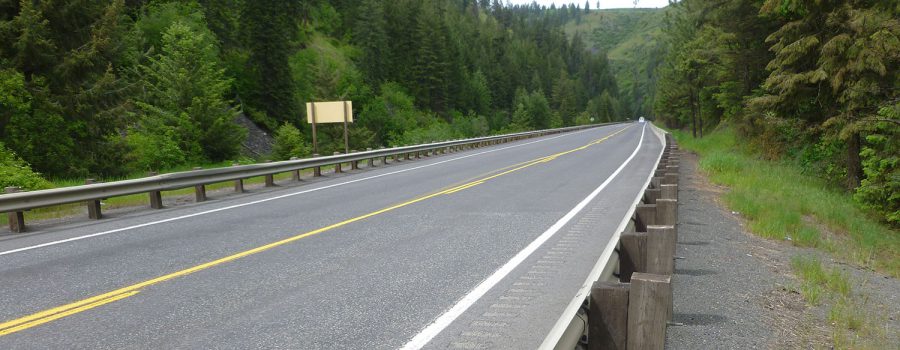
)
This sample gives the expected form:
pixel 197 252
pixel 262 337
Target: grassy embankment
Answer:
pixel 780 202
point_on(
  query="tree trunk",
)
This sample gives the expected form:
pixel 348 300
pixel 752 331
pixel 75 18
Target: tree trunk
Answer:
pixel 693 114
pixel 699 117
pixel 854 163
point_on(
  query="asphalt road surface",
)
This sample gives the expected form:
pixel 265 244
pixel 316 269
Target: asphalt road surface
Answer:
pixel 475 249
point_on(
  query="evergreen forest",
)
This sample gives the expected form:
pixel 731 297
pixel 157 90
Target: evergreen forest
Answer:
pixel 115 88
pixel 112 88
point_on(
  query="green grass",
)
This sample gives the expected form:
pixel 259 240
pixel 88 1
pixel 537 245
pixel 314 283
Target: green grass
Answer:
pixel 780 202
pixel 814 276
pixel 852 325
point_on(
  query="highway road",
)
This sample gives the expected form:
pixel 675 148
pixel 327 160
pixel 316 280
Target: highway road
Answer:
pixel 482 248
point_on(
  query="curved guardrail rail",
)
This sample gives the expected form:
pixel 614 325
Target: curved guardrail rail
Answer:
pixel 15 203
pixel 627 300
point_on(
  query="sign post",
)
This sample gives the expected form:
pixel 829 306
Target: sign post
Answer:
pixel 315 142
pixel 330 112
pixel 346 132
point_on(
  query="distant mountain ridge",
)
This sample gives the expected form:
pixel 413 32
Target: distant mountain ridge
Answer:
pixel 631 40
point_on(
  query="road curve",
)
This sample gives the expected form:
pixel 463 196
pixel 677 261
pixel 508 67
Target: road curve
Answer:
pixel 378 259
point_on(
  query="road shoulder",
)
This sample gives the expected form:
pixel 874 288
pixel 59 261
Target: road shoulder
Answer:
pixel 734 290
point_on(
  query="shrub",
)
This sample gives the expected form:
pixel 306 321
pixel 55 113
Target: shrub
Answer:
pixel 436 131
pixel 880 190
pixel 289 143
pixel 16 172
pixel 153 151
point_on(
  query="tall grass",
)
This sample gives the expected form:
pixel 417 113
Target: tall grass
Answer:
pixel 780 202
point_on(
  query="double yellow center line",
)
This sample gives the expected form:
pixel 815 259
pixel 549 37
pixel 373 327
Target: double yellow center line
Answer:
pixel 56 313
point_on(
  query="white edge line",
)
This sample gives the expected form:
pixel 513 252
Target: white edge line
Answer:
pixel 432 330
pixel 42 245
pixel 569 312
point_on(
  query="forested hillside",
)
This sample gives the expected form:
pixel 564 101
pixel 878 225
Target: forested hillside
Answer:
pixel 116 87
pixel 812 83
pixel 631 39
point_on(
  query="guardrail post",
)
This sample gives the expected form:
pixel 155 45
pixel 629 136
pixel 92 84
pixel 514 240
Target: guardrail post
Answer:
pixel 239 183
pixel 270 178
pixel 648 300
pixel 646 216
pixel 632 254
pixel 661 254
pixel 155 196
pixel 672 168
pixel 337 167
pixel 16 219
pixel 663 162
pixel 295 175
pixel 666 212
pixel 668 192
pixel 317 170
pixel 354 165
pixel 94 205
pixel 660 250
pixel 199 190
pixel 608 316
pixel 408 157
pixel 673 162
pixel 670 178
pixel 651 195
pixel 371 161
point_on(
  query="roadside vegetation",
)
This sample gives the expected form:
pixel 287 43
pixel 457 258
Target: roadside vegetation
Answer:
pixel 780 201
pixel 109 89
pixel 853 325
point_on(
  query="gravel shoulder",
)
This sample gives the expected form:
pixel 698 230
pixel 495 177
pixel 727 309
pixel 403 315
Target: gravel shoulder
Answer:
pixel 734 290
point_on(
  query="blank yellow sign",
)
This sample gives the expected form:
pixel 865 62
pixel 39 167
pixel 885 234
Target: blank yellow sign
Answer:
pixel 329 112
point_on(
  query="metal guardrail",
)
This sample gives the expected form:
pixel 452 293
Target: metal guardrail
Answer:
pixel 643 251
pixel 17 202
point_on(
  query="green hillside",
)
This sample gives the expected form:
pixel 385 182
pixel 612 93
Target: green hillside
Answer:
pixel 631 40
pixel 111 88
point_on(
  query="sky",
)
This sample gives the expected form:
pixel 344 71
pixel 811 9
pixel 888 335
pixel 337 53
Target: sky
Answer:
pixel 606 4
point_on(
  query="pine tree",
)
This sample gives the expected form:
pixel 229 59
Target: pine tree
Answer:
pixel 71 58
pixel 431 66
pixel 270 27
pixel 564 99
pixel 185 97
pixel 862 64
pixel 370 36
pixel 834 63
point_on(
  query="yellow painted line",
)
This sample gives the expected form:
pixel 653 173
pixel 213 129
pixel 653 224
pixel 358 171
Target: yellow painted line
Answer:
pixel 55 313
pixel 66 313
pixel 460 188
